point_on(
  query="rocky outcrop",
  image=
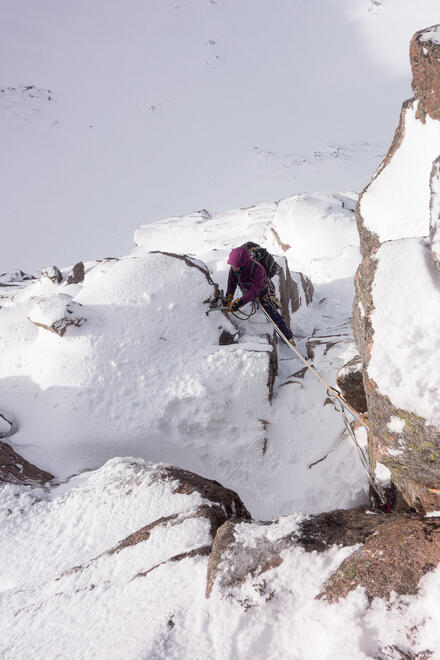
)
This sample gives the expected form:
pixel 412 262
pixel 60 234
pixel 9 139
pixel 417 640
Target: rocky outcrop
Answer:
pixel 393 559
pixel 16 470
pixel 405 434
pixel 52 273
pixel 185 483
pixel 295 290
pixel 233 558
pixel 8 279
pixel 349 380
pixel 217 505
pixel 56 314
pixel 425 57
pixel 77 275
pixel 396 551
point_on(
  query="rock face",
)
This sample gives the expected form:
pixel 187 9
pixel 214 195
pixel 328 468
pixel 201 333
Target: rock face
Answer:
pixel 235 557
pixel 396 551
pixel 16 470
pixel 397 288
pixel 77 275
pixel 294 288
pixel 400 552
pixel 425 57
pixel 350 382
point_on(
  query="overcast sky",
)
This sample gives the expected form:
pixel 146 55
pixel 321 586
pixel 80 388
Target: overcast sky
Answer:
pixel 162 107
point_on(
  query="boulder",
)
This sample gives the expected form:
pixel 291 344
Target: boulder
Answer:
pixel 77 275
pixel 53 273
pixel 16 470
pixel 349 381
pixel 56 314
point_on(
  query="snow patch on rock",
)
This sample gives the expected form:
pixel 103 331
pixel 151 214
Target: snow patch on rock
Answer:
pixel 397 202
pixel 405 356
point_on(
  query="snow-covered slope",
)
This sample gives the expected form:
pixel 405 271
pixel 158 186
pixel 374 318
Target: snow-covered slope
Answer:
pixel 143 373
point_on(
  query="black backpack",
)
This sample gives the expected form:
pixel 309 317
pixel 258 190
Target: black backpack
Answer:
pixel 263 257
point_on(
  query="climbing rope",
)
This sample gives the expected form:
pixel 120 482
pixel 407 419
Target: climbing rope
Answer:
pixel 344 406
pixel 364 459
pixel 331 389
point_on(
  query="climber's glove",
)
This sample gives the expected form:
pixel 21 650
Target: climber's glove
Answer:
pixel 228 300
pixel 236 305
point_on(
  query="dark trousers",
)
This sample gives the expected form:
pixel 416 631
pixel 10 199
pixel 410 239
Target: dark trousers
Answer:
pixel 276 318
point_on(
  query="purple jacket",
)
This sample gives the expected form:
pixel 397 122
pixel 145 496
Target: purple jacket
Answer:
pixel 251 276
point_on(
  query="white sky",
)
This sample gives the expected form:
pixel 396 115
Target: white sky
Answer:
pixel 162 107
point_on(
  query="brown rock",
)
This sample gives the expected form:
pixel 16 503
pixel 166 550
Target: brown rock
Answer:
pixel 77 275
pixel 295 290
pixel 425 59
pixel 14 469
pixel 232 562
pixel 221 504
pixel 68 313
pixel 392 560
pixel 188 482
pixel 342 527
pixel 349 380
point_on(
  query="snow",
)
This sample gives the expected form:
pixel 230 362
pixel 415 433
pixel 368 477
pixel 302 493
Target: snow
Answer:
pixel 5 426
pixel 431 34
pixel 103 108
pixel 396 204
pixel 107 609
pixel 434 225
pixel 396 424
pixel 55 309
pixel 118 130
pixel 382 475
pixel 105 389
pixel 315 232
pixel 405 356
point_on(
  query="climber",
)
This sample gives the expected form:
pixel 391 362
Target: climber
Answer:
pixel 254 283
